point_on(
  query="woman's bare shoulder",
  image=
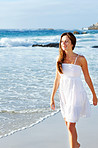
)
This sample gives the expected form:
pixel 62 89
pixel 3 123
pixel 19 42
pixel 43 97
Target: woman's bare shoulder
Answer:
pixel 82 60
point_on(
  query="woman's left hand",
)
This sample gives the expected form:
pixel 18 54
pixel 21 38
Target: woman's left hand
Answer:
pixel 95 100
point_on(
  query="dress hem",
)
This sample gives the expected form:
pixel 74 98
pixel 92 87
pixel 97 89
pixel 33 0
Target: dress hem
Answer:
pixel 81 116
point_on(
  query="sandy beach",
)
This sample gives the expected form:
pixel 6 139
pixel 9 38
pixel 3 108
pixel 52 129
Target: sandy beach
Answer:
pixel 52 133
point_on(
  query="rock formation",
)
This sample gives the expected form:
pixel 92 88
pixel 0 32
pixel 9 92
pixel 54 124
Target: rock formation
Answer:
pixel 95 46
pixel 93 27
pixel 76 32
pixel 47 45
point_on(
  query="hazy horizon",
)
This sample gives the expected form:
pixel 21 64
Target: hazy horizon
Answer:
pixel 64 14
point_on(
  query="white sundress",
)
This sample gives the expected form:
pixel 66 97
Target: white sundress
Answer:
pixel 73 98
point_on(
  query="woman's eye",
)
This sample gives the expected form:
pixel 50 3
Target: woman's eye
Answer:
pixel 64 41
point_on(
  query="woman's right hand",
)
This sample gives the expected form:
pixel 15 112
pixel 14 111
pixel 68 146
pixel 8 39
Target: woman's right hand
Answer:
pixel 95 100
pixel 52 104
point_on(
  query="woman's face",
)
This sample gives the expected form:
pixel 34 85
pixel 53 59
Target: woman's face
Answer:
pixel 66 43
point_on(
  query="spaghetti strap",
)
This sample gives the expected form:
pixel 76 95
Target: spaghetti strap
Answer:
pixel 76 59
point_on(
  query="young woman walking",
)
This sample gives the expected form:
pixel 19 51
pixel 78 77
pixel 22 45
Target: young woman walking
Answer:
pixel 73 98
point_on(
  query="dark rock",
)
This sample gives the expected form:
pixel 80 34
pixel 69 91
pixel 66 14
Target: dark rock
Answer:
pixel 94 46
pixel 52 45
pixel 47 45
pixel 76 32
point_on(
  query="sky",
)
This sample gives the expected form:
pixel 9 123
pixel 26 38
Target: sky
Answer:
pixel 56 14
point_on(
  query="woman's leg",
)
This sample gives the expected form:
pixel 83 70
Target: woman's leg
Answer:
pixel 72 135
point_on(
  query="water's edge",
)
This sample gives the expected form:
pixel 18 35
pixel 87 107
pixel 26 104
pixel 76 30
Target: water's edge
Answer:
pixel 34 124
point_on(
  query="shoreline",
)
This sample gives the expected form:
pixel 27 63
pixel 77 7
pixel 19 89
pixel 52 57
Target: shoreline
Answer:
pixel 32 125
pixel 41 135
pixel 52 132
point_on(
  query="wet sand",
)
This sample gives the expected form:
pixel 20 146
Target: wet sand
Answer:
pixel 52 133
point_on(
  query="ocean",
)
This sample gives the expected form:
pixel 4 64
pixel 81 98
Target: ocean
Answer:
pixel 27 74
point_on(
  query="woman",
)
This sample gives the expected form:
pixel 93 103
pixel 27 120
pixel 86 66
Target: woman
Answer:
pixel 73 99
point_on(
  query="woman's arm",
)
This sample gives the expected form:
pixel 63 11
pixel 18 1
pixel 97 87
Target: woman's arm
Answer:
pixel 55 87
pixel 88 80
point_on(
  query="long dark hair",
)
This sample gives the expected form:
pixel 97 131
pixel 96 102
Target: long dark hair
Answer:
pixel 62 54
